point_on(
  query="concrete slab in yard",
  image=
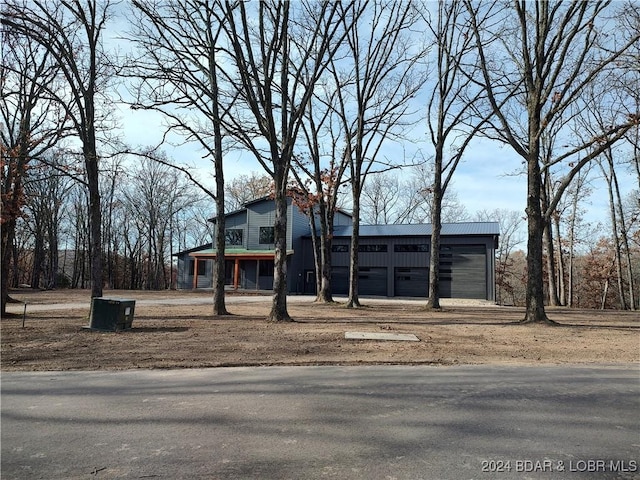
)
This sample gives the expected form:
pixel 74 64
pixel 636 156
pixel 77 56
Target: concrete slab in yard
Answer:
pixel 404 337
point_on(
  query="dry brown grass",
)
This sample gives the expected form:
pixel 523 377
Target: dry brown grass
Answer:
pixel 188 335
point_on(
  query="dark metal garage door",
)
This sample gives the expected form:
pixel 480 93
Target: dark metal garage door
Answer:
pixel 411 282
pixel 463 271
pixel 371 280
pixel 340 280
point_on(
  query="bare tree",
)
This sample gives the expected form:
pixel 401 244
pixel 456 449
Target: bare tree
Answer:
pixel 577 192
pixel 111 178
pixel 450 118
pixel 31 125
pixel 381 196
pixel 46 192
pixel 179 72
pixel 408 198
pixel 154 193
pixel 547 54
pixel 376 77
pixel 277 62
pixel 71 32
pixel 326 167
pixel 245 188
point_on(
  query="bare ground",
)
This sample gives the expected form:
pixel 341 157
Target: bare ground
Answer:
pixel 178 330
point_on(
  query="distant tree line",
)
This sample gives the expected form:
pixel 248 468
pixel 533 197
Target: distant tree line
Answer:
pixel 149 212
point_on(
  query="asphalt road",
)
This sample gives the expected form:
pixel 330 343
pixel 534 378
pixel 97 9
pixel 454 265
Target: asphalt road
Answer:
pixel 374 422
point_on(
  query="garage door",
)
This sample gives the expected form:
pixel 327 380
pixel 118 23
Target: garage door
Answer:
pixel 340 280
pixel 411 282
pixel 371 280
pixel 463 271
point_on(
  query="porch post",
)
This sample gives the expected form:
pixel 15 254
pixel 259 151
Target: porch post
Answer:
pixel 236 273
pixel 257 274
pixel 195 272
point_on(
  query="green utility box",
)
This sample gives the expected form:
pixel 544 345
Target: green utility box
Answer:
pixel 111 314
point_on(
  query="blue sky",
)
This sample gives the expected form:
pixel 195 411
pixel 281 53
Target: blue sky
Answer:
pixel 485 180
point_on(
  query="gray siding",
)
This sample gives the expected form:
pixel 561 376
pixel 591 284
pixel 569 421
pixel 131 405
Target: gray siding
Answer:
pixel 340 280
pixel 182 278
pixel 341 219
pixel 261 214
pixel 467 256
pixel 236 220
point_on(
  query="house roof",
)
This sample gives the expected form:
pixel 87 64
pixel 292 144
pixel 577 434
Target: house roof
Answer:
pixel 401 230
pixel 236 252
pixel 268 198
pixel 194 249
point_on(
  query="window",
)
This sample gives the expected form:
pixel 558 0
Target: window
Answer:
pixel 340 248
pixel 414 247
pixel 373 248
pixel 266 236
pixel 233 236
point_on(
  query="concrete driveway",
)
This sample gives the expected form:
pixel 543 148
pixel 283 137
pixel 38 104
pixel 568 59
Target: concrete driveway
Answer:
pixel 374 422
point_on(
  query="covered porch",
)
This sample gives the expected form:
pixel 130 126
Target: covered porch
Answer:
pixel 248 269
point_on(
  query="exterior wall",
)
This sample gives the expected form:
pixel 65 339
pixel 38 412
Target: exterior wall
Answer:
pixel 341 219
pixel 248 275
pixel 298 227
pixel 183 278
pixel 238 221
pixel 259 214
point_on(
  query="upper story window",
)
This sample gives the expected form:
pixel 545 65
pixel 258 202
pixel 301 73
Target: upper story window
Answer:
pixel 233 236
pixel 374 248
pixel 266 236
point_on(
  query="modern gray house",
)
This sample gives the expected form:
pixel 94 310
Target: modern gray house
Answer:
pixel 393 259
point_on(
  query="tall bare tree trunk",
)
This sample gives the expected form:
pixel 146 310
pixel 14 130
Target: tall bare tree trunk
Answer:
pixel 551 265
pixel 610 176
pixel 624 244
pixel 562 288
pixel 354 300
pixel 436 229
pixel 279 312
pixel 534 293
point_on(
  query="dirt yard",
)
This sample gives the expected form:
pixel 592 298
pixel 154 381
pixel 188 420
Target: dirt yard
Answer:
pixel 178 330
